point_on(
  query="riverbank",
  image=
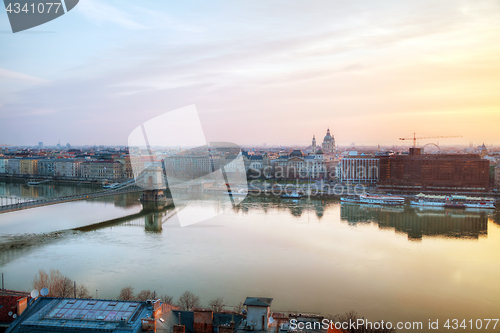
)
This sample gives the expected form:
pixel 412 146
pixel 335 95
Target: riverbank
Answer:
pixel 57 179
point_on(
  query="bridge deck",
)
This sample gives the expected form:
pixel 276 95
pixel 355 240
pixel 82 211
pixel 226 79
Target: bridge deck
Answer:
pixel 53 201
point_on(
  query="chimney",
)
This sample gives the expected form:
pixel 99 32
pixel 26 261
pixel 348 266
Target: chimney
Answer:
pixel 148 324
pixel 179 329
pixel 21 305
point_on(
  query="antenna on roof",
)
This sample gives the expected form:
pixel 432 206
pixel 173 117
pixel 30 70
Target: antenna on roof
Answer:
pixel 34 293
pixel 44 291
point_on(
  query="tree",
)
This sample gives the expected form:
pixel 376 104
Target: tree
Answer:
pixel 188 300
pixel 167 299
pixel 217 305
pixel 239 308
pixel 144 295
pixel 58 284
pixel 82 291
pixel 126 294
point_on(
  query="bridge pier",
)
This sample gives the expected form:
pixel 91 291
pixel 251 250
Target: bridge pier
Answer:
pixel 153 196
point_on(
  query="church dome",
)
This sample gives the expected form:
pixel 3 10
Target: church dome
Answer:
pixel 328 137
pixel 319 151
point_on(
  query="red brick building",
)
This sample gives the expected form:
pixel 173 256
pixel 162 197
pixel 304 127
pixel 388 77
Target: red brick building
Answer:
pixel 446 172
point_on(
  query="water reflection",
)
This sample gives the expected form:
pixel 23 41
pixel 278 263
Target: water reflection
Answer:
pixel 49 190
pixel 296 207
pixel 420 221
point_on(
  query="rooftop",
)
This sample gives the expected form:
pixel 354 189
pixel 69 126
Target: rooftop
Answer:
pixel 69 314
pixel 258 301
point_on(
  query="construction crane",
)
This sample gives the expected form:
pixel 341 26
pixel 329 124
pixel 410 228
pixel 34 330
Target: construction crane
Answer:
pixel 414 138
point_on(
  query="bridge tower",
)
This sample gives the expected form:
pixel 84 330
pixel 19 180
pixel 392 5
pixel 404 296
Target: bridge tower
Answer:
pixel 152 181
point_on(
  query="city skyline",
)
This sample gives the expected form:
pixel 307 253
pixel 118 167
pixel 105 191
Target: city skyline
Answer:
pixel 370 72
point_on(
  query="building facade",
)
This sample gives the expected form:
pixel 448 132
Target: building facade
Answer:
pixel 101 169
pixel 28 166
pixel 497 177
pixel 297 165
pixel 127 170
pixel 359 169
pixel 190 166
pixel 46 167
pixel 4 165
pixel 14 166
pixel 67 167
pixel 450 172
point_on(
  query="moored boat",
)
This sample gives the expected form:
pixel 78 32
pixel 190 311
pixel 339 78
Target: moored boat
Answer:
pixel 375 199
pixel 452 201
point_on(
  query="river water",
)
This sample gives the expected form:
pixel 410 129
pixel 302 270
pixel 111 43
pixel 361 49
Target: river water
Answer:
pixel 397 264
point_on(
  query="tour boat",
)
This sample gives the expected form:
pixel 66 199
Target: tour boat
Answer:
pixel 114 185
pixel 452 201
pixel 375 199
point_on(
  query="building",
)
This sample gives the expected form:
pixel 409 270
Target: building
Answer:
pixel 12 305
pixel 58 315
pixel 358 169
pixel 101 169
pixel 447 172
pixel 4 165
pixel 258 313
pixel 46 167
pixel 328 144
pixel 297 165
pixel 15 166
pixel 198 321
pixel 127 170
pixel 497 177
pixel 192 166
pixel 67 167
pixel 28 166
pixel 259 164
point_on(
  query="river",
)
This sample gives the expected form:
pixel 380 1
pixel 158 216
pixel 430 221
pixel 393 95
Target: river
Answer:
pixel 397 264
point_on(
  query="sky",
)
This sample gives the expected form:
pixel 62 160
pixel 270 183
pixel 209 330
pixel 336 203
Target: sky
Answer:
pixel 258 71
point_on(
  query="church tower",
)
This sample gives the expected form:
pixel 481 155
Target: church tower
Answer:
pixel 313 146
pixel 328 144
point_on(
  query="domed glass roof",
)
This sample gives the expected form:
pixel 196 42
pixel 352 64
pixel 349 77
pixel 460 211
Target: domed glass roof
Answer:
pixel 297 153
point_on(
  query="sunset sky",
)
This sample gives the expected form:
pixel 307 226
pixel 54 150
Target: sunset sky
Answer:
pixel 258 71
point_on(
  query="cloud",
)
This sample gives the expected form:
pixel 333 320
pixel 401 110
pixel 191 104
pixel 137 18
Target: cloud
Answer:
pixel 6 74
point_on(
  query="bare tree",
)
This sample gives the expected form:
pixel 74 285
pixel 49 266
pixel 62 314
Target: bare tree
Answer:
pixel 82 291
pixel 239 308
pixel 58 284
pixel 144 295
pixel 167 299
pixel 126 294
pixel 188 300
pixel 217 305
